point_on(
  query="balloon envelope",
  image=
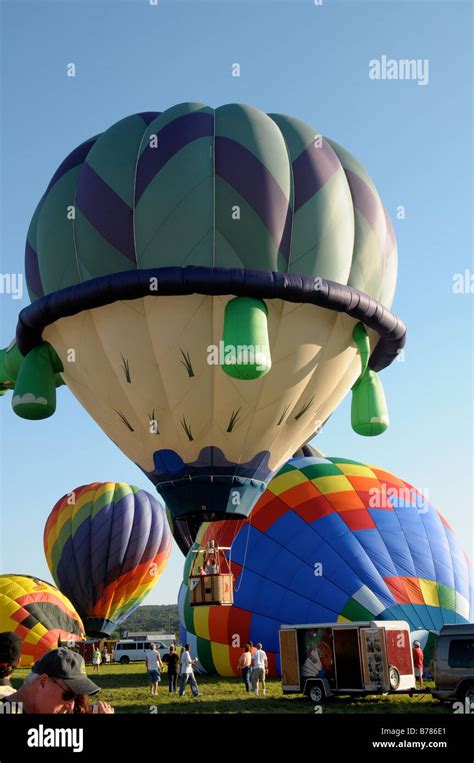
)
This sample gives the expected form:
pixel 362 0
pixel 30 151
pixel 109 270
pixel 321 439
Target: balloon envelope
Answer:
pixel 185 529
pixel 106 545
pixel 177 214
pixel 331 540
pixel 39 614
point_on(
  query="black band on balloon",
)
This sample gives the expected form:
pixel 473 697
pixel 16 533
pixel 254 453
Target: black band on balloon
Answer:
pixel 173 281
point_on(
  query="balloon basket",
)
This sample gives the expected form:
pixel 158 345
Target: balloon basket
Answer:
pixel 211 590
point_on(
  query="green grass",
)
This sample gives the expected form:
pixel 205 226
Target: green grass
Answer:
pixel 126 688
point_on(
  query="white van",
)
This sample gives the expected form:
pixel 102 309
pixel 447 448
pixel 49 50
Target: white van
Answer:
pixel 128 650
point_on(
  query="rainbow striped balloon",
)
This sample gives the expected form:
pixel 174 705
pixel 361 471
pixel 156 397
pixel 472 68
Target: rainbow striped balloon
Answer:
pixel 106 545
pixel 39 614
pixel 330 540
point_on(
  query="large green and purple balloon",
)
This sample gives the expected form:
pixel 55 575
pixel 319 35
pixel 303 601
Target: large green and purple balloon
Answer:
pixel 210 284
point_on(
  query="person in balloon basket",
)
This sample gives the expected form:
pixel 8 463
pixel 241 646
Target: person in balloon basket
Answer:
pixel 10 654
pixel 57 684
pixel 259 669
pixel 418 661
pixel 187 673
pixel 172 661
pixel 154 666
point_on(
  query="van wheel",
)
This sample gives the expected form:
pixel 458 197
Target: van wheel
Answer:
pixel 393 677
pixel 124 660
pixel 316 693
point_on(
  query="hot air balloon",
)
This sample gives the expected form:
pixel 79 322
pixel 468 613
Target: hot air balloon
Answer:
pixel 209 283
pixel 331 540
pixel 106 545
pixel 39 614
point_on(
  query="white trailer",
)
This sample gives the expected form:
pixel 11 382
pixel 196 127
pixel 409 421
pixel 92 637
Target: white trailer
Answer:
pixel 325 659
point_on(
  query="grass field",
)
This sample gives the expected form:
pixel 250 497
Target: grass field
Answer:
pixel 125 687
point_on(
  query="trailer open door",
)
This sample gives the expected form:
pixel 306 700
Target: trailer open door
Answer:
pixel 290 663
pixel 374 660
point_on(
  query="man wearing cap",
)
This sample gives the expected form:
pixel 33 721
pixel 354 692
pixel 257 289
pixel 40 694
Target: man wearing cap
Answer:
pixel 10 653
pixel 56 680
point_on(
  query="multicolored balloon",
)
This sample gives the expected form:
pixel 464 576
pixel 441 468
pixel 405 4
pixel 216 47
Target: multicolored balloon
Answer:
pixel 331 540
pixel 106 545
pixel 39 614
pixel 225 277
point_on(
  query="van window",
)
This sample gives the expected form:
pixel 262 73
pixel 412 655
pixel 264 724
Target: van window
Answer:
pixel 141 645
pixel 461 653
pixel 118 646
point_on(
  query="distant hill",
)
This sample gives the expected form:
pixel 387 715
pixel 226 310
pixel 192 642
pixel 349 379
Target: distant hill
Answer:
pixel 153 618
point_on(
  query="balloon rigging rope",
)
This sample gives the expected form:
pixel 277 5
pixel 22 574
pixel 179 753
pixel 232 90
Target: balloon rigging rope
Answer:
pixel 235 533
pixel 236 590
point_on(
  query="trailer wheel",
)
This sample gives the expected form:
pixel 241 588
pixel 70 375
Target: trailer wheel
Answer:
pixel 124 660
pixel 393 677
pixel 315 693
pixel 469 697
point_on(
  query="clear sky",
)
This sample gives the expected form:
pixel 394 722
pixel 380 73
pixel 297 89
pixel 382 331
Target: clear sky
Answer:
pixel 311 61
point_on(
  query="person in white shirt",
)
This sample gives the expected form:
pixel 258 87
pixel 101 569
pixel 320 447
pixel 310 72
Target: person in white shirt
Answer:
pixel 154 666
pixel 259 669
pixel 187 673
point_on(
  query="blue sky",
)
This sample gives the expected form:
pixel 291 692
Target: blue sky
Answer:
pixel 297 58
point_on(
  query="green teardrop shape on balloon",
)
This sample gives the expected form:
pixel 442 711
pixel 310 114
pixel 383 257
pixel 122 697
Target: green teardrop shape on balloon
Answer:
pixel 369 413
pixel 245 353
pixel 35 387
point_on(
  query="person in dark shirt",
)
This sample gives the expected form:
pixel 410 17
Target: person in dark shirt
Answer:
pixel 10 653
pixel 172 660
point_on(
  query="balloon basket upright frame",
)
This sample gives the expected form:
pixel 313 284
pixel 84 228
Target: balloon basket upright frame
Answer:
pixel 212 587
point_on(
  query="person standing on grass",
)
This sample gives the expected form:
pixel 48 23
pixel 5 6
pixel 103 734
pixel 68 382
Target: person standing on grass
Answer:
pixel 172 660
pixel 418 662
pixel 259 669
pixel 96 658
pixel 244 664
pixel 187 673
pixel 154 665
pixel 252 652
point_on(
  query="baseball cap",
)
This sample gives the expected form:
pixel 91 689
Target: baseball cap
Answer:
pixel 416 643
pixel 10 649
pixel 70 667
